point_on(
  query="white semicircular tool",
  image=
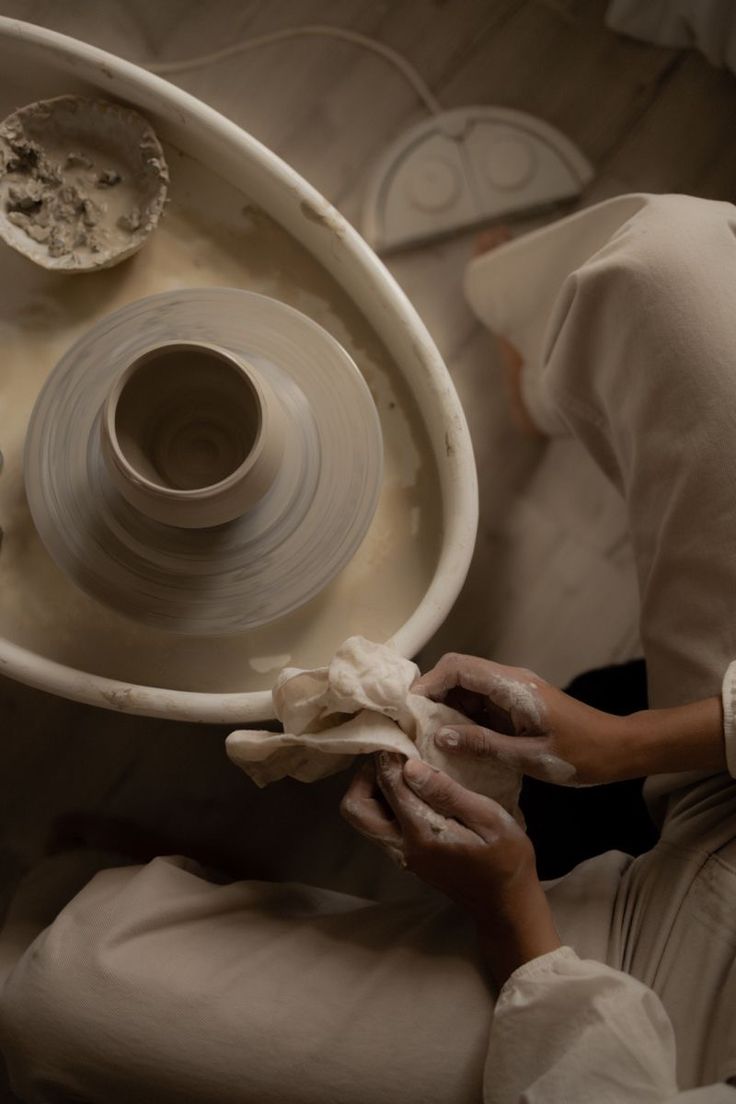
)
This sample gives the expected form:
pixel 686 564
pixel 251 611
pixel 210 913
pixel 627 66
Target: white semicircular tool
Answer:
pixel 466 167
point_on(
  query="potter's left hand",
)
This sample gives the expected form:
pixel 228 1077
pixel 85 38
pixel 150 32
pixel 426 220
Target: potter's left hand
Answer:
pixel 525 723
pixel 463 844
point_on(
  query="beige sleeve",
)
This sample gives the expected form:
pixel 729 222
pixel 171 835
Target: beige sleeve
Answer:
pixel 729 716
pixel 567 1030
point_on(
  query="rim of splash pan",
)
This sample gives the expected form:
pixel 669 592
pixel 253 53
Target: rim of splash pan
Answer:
pixel 282 193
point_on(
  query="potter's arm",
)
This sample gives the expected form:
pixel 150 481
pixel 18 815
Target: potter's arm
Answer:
pixel 564 1030
pixel 525 723
pixel 463 844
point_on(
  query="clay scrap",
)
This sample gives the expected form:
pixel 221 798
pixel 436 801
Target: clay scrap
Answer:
pixel 82 182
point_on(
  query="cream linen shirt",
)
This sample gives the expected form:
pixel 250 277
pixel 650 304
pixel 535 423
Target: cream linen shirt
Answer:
pixel 567 1029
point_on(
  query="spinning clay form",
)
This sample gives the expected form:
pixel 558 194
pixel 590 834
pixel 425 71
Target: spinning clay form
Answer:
pixel 204 461
pixel 191 437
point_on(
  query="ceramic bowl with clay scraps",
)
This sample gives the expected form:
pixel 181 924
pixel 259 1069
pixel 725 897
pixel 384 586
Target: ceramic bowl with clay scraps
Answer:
pixel 82 182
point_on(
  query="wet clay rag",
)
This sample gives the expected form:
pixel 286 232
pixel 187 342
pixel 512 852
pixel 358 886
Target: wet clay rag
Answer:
pixel 359 704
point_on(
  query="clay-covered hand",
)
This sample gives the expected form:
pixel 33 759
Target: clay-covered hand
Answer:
pixel 525 723
pixel 461 843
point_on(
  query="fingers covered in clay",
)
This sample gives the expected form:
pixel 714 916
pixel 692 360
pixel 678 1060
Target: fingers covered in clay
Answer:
pixel 532 755
pixel 441 793
pixel 477 742
pixel 416 819
pixel 473 740
pixel 428 803
pixel 451 671
pixel 510 693
pixel 365 811
pixel 457 670
pixel 462 843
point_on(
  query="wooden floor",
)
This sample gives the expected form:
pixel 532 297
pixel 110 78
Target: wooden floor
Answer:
pixel 551 584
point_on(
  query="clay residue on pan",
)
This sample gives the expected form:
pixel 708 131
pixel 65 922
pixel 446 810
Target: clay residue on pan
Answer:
pixel 82 182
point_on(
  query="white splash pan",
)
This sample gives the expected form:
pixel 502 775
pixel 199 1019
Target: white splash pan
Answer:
pixel 59 63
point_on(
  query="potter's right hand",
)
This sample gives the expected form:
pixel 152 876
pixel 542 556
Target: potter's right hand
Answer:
pixel 522 721
pixel 463 844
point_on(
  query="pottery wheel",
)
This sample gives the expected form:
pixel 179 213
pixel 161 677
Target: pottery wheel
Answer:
pixel 252 570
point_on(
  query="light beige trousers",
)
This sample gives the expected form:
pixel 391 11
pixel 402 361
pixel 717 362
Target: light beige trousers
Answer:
pixel 156 984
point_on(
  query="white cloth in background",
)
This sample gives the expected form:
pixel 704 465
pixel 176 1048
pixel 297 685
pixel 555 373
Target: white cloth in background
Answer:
pixel 359 704
pixel 710 25
pixel 154 984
